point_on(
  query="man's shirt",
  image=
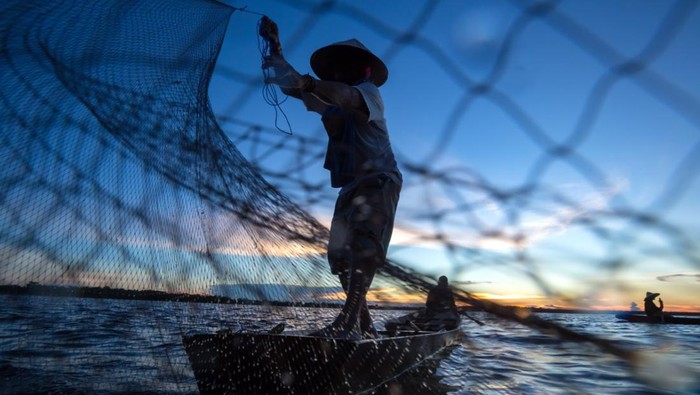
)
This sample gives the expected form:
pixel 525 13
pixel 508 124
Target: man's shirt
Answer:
pixel 358 144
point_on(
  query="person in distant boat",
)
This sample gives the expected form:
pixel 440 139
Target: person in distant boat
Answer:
pixel 651 309
pixel 440 298
pixel 440 312
pixel 360 159
pixel 440 309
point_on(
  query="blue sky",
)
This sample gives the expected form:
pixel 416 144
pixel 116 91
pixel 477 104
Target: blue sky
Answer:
pixel 634 136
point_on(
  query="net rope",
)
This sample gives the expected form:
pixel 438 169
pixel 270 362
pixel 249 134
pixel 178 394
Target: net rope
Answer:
pixel 119 181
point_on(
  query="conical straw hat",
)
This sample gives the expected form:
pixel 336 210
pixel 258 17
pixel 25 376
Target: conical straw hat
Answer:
pixel 348 54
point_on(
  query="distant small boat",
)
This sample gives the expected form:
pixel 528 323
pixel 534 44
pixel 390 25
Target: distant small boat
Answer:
pixel 668 319
pixel 263 363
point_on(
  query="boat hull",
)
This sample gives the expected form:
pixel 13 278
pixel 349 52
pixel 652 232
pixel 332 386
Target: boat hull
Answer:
pixel 243 363
pixel 668 319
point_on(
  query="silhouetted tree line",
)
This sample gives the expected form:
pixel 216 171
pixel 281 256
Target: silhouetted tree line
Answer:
pixel 37 289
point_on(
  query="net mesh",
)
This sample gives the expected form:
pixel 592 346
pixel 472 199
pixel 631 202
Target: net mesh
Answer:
pixel 120 182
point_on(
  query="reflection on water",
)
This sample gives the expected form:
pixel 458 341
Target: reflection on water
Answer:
pixel 88 345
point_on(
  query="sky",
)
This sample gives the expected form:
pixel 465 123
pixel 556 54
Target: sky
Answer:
pixel 601 225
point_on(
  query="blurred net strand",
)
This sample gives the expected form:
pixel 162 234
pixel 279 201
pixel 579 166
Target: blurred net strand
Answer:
pixel 621 69
pixel 580 36
pixel 451 181
pixel 211 168
pixel 422 283
pixel 673 23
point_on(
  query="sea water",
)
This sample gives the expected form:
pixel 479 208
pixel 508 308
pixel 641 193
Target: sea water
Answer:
pixel 80 345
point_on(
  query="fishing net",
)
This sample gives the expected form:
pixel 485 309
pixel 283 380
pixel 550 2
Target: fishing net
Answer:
pixel 133 215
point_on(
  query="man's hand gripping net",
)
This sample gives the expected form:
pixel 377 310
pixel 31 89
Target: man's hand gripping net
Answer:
pixel 269 32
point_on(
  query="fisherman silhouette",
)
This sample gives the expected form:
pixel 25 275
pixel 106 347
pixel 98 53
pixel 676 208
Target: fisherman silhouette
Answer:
pixel 360 160
pixel 653 311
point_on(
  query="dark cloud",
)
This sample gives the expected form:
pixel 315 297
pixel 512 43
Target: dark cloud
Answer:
pixel 672 277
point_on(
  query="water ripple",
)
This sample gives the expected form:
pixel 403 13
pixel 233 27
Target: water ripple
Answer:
pixel 66 345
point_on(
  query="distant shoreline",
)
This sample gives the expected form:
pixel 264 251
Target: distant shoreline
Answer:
pixel 34 289
pixel 583 311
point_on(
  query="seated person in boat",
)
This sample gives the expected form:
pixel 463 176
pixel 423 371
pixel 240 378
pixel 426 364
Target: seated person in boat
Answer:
pixel 360 160
pixel 440 298
pixel 440 308
pixel 440 312
pixel 653 311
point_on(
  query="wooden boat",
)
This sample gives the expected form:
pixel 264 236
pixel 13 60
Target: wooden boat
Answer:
pixel 422 320
pixel 668 319
pixel 261 363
